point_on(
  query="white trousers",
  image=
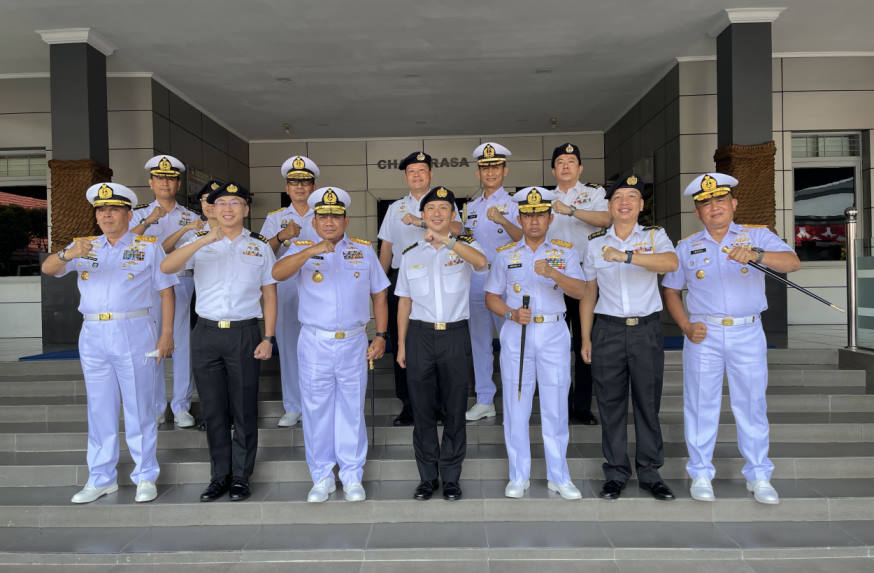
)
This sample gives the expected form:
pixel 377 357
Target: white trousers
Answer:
pixel 547 364
pixel 333 383
pixel 183 383
pixel 741 352
pixel 287 334
pixel 483 324
pixel 115 367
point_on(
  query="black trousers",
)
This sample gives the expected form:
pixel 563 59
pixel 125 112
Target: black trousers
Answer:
pixel 226 374
pixel 620 354
pixel 401 391
pixel 579 399
pixel 439 370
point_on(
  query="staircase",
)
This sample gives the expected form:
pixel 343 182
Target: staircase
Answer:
pixel 822 425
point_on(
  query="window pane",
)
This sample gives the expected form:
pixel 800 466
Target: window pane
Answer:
pixel 821 195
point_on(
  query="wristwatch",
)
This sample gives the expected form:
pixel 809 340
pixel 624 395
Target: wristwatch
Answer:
pixel 630 254
pixel 61 254
pixel 509 314
pixel 761 253
pixel 451 244
pixel 270 339
pixel 383 335
pixel 573 210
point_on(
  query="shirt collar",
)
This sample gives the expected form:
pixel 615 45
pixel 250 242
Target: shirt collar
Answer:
pixel 611 231
pixel 733 228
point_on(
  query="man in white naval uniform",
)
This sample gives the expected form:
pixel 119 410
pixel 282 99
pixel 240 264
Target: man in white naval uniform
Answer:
pixel 724 332
pixel 545 270
pixel 337 278
pixel 119 272
pixel 281 227
pixel 189 231
pixel 581 209
pixel 625 343
pixel 161 218
pixel 400 228
pixel 491 219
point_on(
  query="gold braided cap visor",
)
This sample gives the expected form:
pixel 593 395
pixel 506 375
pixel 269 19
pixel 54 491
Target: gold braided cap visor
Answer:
pixel 111 203
pixel 330 210
pixel 165 172
pixel 705 195
pixel 491 161
pixel 539 208
pixel 299 174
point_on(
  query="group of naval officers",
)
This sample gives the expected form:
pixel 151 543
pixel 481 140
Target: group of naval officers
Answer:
pixel 552 272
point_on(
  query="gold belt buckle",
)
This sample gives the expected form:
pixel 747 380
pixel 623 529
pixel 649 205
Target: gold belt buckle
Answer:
pixel 439 326
pixel 224 324
pixel 539 319
pixel 727 321
pixel 340 335
pixel 104 316
pixel 631 321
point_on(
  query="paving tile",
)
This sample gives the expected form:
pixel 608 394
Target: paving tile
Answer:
pixel 846 487
pixel 835 565
pixel 428 535
pixel 11 496
pixel 787 534
pixel 546 534
pixel 863 531
pixel 310 536
pixel 695 535
pixel 191 539
pixel 103 540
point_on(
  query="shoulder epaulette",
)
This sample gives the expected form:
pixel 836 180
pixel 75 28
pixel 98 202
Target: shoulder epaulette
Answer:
pixel 360 241
pixel 652 228
pixel 201 233
pixel 91 238
pixel 409 248
pixel 507 246
pixel 754 226
pixel 303 243
pixel 687 237
pixel 596 234
pixel 561 243
pixel 146 238
pixel 592 184
pixel 258 236
pixel 141 206
pixel 276 210
pixel 465 238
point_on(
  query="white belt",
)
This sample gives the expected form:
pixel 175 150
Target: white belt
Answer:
pixel 185 273
pixel 540 318
pixel 338 334
pixel 731 320
pixel 116 315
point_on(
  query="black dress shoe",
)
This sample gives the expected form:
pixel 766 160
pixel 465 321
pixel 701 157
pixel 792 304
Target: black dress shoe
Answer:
pixel 586 419
pixel 658 489
pixel 451 491
pixel 240 490
pixel 425 489
pixel 214 490
pixel 611 489
pixel 405 418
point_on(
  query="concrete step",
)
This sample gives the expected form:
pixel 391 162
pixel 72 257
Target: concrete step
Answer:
pixel 483 461
pixel 391 502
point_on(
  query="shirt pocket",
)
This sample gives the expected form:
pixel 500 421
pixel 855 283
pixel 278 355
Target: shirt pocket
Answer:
pixel 250 270
pixel 418 280
pixel 454 278
pixel 700 267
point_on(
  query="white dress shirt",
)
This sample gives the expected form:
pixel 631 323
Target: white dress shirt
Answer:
pixel 399 234
pixel 584 196
pixel 487 233
pixel 279 219
pixel 166 225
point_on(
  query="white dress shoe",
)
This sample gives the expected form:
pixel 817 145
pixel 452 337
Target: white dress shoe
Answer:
pixel 289 419
pixel 183 419
pixel 516 489
pixel 763 491
pixel 322 490
pixel 146 491
pixel 702 490
pixel 479 411
pixel 162 417
pixel 354 492
pixel 89 493
pixel 565 490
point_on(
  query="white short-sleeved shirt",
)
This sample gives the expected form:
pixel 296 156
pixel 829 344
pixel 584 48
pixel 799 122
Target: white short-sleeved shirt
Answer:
pixel 122 277
pixel 399 234
pixel 716 285
pixel 585 196
pixel 626 290
pixel 335 288
pixel 487 233
pixel 166 225
pixel 437 281
pixel 228 276
pixel 279 219
pixel 512 274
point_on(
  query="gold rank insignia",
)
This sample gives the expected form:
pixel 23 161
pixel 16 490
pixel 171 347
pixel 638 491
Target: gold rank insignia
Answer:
pixel 105 191
pixel 232 188
pixel 516 288
pixel 318 277
pixel 569 148
pixel 84 275
pixel 699 274
pixel 420 157
pixel 488 152
pixel 298 163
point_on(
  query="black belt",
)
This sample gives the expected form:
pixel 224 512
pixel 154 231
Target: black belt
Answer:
pixel 223 324
pixel 438 325
pixel 629 321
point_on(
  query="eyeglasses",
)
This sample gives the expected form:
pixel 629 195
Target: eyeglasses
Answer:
pixel 232 204
pixel 299 183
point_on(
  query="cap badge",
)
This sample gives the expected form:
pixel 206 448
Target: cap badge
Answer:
pixel 534 197
pixel 214 186
pixel 164 164
pixel 298 163
pixel 232 188
pixel 441 192
pixel 420 157
pixel 105 191
pixel 569 148
pixel 488 151
pixel 631 180
pixel 708 183
pixel 329 198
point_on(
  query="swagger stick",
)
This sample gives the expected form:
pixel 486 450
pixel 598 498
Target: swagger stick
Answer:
pixel 787 282
pixel 525 300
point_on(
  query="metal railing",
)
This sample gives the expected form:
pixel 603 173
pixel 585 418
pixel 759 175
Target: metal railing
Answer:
pixel 853 309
